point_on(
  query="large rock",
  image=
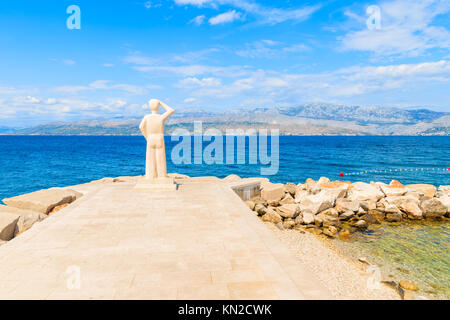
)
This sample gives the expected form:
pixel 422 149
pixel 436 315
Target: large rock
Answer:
pixel 271 216
pixel 43 200
pixel 377 214
pixel 393 192
pixel 411 208
pixel 260 209
pixel 272 191
pixel 26 218
pixel 324 200
pixel 393 217
pixel 308 217
pixel 347 215
pixel 343 205
pixel 300 195
pixel 445 200
pixel 287 199
pixel 427 189
pixel 327 220
pixel 288 210
pixel 445 190
pixel 433 208
pixel 312 186
pixel 8 222
pixel 361 191
pixel 290 188
pixel 232 178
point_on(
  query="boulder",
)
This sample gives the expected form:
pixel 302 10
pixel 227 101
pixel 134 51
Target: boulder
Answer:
pixel 312 186
pixel 392 192
pixel 433 208
pixel 273 203
pixel 361 191
pixel 308 217
pixel 260 209
pixel 300 195
pixel 427 189
pixel 335 185
pixel 411 208
pixel 332 212
pixel 361 224
pixel 288 224
pixel 346 215
pixel 445 190
pixel 323 180
pixel 8 223
pixel 250 204
pixel 377 214
pixel 290 188
pixel 330 231
pixel 445 200
pixel 327 220
pixel 232 178
pixel 396 184
pixel 319 202
pixel 343 205
pixel 369 218
pixel 271 216
pixel 299 220
pixel 287 199
pixel 393 217
pixel 272 191
pixel 288 210
pixel 43 200
pixel 368 205
pixel 26 218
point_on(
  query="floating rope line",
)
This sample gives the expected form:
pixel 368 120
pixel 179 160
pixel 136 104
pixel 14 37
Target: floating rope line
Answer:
pixel 395 170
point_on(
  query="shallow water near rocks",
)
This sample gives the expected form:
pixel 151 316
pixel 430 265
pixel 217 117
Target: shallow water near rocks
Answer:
pixel 418 252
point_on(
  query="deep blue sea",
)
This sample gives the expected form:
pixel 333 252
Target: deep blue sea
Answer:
pixel 29 163
pixel 417 253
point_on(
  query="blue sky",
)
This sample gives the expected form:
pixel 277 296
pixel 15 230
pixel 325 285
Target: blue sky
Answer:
pixel 218 55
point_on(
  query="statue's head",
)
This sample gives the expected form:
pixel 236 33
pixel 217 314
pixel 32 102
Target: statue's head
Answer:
pixel 154 105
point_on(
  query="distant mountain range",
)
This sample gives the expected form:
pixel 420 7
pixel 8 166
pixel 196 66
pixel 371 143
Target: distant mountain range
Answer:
pixel 307 119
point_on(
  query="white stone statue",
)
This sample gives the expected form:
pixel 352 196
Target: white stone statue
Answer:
pixel 152 127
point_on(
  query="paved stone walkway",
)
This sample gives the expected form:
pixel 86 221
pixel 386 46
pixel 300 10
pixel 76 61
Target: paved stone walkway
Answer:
pixel 199 242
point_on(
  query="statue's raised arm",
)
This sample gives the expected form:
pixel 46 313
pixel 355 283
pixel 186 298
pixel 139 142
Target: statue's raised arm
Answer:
pixel 169 110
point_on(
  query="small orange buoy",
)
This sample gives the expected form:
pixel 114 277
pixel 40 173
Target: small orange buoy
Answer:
pixel 448 168
pixel 342 174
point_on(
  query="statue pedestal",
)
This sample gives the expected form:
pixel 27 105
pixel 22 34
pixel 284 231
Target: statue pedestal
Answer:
pixel 160 184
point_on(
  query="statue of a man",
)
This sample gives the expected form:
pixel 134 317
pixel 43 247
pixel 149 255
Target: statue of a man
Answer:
pixel 152 127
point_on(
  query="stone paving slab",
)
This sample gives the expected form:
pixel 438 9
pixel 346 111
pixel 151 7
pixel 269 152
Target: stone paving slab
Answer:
pixel 199 242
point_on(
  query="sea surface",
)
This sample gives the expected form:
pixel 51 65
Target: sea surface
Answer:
pixel 416 252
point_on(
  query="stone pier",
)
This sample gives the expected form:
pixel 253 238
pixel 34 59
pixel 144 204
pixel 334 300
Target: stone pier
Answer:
pixel 117 242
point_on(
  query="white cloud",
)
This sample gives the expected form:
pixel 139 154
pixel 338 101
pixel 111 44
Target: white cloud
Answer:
pixel 277 88
pixel 226 17
pixel 69 62
pixel 406 29
pixel 263 14
pixel 189 100
pixel 198 20
pixel 196 83
pixel 101 85
pixel 198 3
pixel 269 49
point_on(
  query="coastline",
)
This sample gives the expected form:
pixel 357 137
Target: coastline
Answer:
pixel 343 275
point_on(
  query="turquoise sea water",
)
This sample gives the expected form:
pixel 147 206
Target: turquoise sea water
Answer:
pixel 419 252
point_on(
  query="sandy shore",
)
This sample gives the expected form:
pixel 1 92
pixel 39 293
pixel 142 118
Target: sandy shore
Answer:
pixel 344 278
